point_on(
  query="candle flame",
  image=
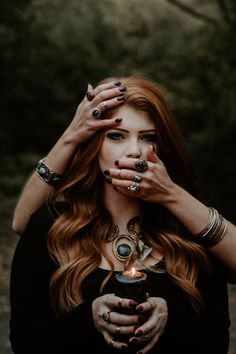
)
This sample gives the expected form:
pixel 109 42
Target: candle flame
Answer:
pixel 133 271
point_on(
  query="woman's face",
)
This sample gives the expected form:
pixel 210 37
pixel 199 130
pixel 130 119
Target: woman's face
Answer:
pixel 128 140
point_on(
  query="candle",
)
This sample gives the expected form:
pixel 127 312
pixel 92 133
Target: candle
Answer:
pixel 131 284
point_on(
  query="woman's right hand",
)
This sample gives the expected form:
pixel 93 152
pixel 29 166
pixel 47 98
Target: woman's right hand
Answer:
pixel 110 323
pixel 84 123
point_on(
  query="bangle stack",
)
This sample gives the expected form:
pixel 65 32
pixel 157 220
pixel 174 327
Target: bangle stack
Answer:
pixel 47 174
pixel 214 231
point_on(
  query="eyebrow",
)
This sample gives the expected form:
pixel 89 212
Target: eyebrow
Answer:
pixel 140 131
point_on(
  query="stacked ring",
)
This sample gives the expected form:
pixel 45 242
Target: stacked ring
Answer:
pixel 106 316
pixel 141 166
pixel 133 188
pixel 96 112
pixel 138 178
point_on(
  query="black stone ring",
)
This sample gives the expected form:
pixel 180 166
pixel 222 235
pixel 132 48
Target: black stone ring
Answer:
pixel 96 113
pixel 141 166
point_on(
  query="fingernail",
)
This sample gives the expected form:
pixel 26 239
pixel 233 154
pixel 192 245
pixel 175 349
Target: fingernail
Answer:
pixel 121 98
pixel 133 340
pixel 115 189
pixel 133 303
pixel 153 148
pixel 108 180
pixel 117 83
pixel 116 162
pixel 123 89
pixel 139 333
pixel 118 120
pixel 139 309
pixel 106 172
pixel 123 347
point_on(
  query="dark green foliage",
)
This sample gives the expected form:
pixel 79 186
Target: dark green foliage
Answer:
pixel 51 49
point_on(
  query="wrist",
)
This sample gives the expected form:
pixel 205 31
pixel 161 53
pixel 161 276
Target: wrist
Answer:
pixel 47 174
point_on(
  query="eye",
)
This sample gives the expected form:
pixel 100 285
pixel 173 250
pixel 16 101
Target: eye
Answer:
pixel 149 138
pixel 115 136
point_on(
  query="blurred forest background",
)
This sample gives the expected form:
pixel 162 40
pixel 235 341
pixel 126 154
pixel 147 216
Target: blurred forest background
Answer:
pixel 51 49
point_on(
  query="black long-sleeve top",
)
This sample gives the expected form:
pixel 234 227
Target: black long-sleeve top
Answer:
pixel 34 328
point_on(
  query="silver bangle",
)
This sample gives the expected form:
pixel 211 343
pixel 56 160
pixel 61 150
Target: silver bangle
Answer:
pixel 47 174
pixel 214 231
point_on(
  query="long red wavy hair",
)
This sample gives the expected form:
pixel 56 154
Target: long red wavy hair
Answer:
pixel 76 237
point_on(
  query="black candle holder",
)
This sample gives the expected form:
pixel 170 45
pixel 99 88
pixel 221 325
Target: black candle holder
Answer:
pixel 130 286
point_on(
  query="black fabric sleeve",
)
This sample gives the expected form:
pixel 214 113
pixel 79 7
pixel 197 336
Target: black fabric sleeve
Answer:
pixel 33 326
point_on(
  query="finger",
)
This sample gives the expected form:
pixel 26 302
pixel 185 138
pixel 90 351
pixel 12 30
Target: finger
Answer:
pixel 89 93
pixel 118 302
pixel 109 94
pixel 107 86
pixel 105 124
pixel 127 163
pixel 113 343
pixel 109 104
pixel 121 319
pixel 124 174
pixel 151 156
pixel 122 329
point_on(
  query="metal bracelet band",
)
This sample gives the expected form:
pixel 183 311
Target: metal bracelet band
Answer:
pixel 47 174
pixel 214 231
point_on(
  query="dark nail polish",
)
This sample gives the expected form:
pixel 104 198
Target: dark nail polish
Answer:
pixel 139 333
pixel 106 172
pixel 123 347
pixel 153 148
pixel 109 180
pixel 121 98
pixel 133 303
pixel 115 189
pixel 117 83
pixel 139 309
pixel 116 162
pixel 118 120
pixel 134 341
pixel 122 89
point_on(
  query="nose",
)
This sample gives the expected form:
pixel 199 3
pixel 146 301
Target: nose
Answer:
pixel 133 149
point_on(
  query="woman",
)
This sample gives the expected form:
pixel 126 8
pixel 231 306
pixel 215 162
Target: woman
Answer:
pixel 123 195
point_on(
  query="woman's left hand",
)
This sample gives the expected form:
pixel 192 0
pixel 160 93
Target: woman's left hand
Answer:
pixel 156 311
pixel 153 184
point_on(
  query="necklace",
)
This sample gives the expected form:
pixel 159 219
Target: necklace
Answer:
pixel 130 245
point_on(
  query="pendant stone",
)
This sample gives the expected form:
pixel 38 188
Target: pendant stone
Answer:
pixel 124 250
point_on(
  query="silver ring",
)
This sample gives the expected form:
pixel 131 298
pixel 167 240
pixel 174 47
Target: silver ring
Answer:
pixel 112 342
pixel 106 316
pixel 152 304
pixel 120 302
pixel 141 166
pixel 133 188
pixel 117 329
pixel 138 178
pixel 146 337
pixel 96 112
